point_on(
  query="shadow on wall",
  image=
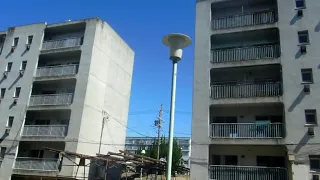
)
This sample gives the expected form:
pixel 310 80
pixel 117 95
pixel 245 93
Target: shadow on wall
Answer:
pixel 317 28
pixel 295 19
pixel 297 101
pixel 303 141
pixel 15 82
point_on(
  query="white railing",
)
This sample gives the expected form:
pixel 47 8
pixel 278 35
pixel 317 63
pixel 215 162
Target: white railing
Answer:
pixel 246 130
pixel 36 164
pixel 251 19
pixel 45 130
pixel 62 43
pixel 245 53
pixel 62 70
pixel 220 172
pixel 246 90
pixel 51 99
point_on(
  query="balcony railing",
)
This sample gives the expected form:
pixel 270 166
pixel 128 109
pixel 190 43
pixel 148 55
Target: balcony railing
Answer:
pixel 62 70
pixel 267 89
pixel 219 172
pixel 36 164
pixel 241 20
pixel 246 130
pixel 62 43
pixel 51 99
pixel 245 53
pixel 45 130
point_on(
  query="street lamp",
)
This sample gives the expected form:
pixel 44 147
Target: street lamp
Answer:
pixel 143 152
pixel 176 42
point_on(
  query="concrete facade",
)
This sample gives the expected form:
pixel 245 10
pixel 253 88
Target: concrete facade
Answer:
pixel 77 74
pixel 133 144
pixel 247 66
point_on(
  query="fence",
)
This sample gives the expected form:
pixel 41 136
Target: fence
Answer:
pixel 38 164
pixel 246 130
pixel 45 130
pixel 218 172
pixel 246 90
pixel 62 70
pixel 51 99
pixel 245 53
pixel 250 19
pixel 62 43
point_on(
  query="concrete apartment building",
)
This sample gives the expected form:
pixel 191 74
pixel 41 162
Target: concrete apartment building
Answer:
pixel 58 82
pixel 133 144
pixel 256 84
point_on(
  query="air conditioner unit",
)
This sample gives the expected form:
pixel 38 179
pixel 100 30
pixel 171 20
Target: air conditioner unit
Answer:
pixel 5 74
pixel 15 101
pixel 21 72
pixel 311 131
pixel 28 46
pixel 13 48
pixel 303 49
pixel 7 131
pixel 306 88
pixel 299 13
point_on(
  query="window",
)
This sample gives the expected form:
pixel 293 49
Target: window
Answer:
pixel 9 66
pixel 36 153
pixel 314 162
pixel 10 122
pixel 17 92
pixel 3 92
pixel 311 116
pixel 306 75
pixel 15 42
pixel 2 152
pixel 300 4
pixel 29 40
pixel 23 65
pixel 231 160
pixel 303 37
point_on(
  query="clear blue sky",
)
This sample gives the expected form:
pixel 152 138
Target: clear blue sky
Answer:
pixel 142 24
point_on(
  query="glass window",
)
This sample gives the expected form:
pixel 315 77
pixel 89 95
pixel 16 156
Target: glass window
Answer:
pixel 306 75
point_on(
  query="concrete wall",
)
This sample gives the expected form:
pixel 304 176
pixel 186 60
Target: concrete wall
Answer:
pixel 12 81
pixel 295 101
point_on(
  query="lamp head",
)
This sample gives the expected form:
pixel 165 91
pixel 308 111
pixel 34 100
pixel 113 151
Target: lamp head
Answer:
pixel 176 42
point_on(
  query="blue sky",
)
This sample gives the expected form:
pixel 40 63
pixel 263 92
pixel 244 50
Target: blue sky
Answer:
pixel 142 24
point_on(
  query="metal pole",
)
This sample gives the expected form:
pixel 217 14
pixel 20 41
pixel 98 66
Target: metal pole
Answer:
pixel 159 131
pixel 172 110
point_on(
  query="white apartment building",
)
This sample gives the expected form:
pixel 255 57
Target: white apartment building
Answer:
pixel 134 143
pixel 256 84
pixel 58 82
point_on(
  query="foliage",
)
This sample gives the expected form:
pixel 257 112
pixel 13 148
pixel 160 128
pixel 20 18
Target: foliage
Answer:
pixel 152 151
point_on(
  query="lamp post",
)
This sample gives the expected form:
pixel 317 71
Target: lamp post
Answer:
pixel 176 42
pixel 143 152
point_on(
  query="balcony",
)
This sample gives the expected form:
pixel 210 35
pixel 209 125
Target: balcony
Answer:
pixel 246 130
pixel 51 99
pixel 246 48
pixel 246 90
pixel 54 71
pixel 62 43
pixel 246 19
pixel 45 130
pixel 36 164
pixel 245 53
pixel 221 172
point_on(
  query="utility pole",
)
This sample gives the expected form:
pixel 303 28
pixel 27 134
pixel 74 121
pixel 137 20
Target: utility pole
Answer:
pixel 104 118
pixel 158 124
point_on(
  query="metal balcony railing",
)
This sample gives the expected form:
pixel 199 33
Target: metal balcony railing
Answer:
pixel 36 164
pixel 45 130
pixel 51 99
pixel 246 130
pixel 241 20
pixel 220 172
pixel 62 43
pixel 267 89
pixel 62 70
pixel 245 53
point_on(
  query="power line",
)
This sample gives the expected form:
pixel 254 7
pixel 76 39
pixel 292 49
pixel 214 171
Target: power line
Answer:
pixel 158 124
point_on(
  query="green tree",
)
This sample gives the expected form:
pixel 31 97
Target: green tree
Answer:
pixel 152 151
